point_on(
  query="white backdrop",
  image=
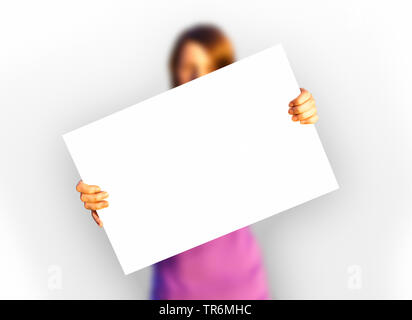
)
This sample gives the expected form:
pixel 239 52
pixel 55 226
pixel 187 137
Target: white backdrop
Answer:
pixel 64 64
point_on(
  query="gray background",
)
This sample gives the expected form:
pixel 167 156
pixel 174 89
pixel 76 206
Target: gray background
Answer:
pixel 64 64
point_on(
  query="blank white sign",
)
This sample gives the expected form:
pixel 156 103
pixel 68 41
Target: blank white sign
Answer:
pixel 202 160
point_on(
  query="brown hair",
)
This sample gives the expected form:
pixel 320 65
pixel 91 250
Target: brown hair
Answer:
pixel 216 43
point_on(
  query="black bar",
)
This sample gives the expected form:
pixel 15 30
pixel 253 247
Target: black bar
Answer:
pixel 204 309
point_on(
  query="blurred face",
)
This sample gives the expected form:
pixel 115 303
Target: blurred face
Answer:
pixel 194 62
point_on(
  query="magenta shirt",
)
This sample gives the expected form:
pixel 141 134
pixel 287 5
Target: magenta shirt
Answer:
pixel 229 267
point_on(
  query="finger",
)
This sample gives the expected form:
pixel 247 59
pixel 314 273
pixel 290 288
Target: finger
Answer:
pixel 96 205
pixel 304 96
pixel 305 115
pixel 303 107
pixel 97 218
pixel 85 188
pixel 94 197
pixel 313 119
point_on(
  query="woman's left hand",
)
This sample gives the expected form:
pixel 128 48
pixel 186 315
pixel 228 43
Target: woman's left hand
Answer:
pixel 303 108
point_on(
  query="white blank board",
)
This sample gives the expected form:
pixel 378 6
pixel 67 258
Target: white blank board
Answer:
pixel 202 160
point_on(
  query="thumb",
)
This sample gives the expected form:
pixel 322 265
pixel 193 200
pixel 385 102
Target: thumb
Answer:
pixel 96 218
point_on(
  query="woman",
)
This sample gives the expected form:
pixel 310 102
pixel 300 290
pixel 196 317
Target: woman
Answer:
pixel 231 266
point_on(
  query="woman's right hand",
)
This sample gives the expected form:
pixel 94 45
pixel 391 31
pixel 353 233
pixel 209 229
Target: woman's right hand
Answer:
pixel 93 199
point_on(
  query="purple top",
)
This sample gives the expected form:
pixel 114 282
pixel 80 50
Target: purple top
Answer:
pixel 229 267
